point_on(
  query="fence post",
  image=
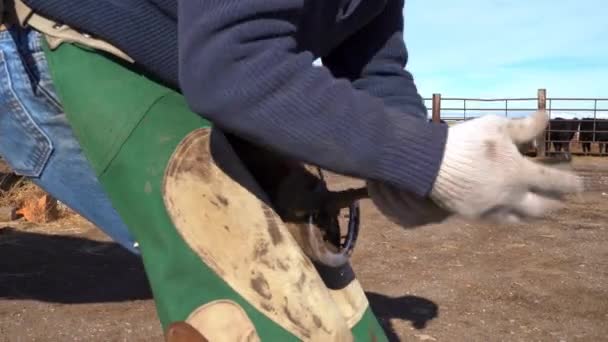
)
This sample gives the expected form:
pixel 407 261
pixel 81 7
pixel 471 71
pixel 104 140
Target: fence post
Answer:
pixel 436 108
pixel 541 139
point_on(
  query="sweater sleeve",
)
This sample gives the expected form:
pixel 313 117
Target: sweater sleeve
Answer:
pixel 240 67
pixel 374 59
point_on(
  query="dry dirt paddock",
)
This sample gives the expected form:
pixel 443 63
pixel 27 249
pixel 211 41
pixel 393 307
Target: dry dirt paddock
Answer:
pixel 450 282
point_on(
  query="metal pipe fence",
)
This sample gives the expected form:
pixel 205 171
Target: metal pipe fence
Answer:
pixel 577 126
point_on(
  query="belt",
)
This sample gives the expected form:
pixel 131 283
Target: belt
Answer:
pixel 16 12
pixel 57 33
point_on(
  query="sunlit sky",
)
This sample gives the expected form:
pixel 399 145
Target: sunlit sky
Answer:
pixel 499 48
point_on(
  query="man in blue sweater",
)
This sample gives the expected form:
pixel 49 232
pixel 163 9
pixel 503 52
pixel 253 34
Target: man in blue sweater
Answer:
pixel 247 67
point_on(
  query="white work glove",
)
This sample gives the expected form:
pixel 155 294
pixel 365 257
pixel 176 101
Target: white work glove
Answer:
pixel 484 177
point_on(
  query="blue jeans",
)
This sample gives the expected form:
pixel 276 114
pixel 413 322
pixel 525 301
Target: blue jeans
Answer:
pixel 36 140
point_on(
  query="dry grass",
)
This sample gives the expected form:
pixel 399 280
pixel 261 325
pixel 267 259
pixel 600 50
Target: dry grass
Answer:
pixel 19 193
pixel 24 191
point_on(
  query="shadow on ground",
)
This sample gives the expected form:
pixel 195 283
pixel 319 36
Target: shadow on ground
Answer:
pixel 68 269
pixel 419 311
pixel 76 270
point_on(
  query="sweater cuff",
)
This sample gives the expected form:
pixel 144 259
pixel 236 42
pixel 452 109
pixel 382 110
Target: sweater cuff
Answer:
pixel 412 160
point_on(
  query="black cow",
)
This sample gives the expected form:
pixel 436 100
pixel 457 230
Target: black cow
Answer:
pixel 587 133
pixel 561 131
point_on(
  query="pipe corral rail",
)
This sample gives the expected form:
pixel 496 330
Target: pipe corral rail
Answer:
pixel 587 120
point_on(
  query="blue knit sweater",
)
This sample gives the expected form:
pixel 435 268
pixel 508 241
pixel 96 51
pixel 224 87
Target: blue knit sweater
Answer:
pixel 247 66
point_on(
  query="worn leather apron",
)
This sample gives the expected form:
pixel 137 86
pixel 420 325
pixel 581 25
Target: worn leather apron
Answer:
pixel 217 255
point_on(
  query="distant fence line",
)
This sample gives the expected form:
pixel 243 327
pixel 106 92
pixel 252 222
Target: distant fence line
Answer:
pixel 469 108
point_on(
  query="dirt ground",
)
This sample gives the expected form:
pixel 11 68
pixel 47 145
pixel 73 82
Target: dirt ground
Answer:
pixel 454 281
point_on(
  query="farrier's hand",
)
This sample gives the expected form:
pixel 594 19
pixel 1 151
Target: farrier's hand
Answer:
pixel 483 175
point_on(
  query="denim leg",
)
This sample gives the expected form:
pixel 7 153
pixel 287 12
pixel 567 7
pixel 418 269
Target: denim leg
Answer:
pixel 37 141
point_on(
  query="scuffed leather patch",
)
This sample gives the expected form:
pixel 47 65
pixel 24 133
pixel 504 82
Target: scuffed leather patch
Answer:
pixel 233 230
pixel 223 321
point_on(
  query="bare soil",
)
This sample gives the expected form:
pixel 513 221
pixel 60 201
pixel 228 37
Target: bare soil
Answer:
pixel 455 281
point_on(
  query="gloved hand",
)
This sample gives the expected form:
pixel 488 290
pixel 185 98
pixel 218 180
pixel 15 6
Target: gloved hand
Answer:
pixel 483 175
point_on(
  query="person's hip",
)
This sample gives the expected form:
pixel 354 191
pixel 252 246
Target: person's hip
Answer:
pixel 36 139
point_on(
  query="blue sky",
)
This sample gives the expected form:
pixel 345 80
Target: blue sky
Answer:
pixel 500 48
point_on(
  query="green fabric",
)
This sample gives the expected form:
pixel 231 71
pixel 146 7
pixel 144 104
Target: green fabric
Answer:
pixel 128 127
pixel 368 328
